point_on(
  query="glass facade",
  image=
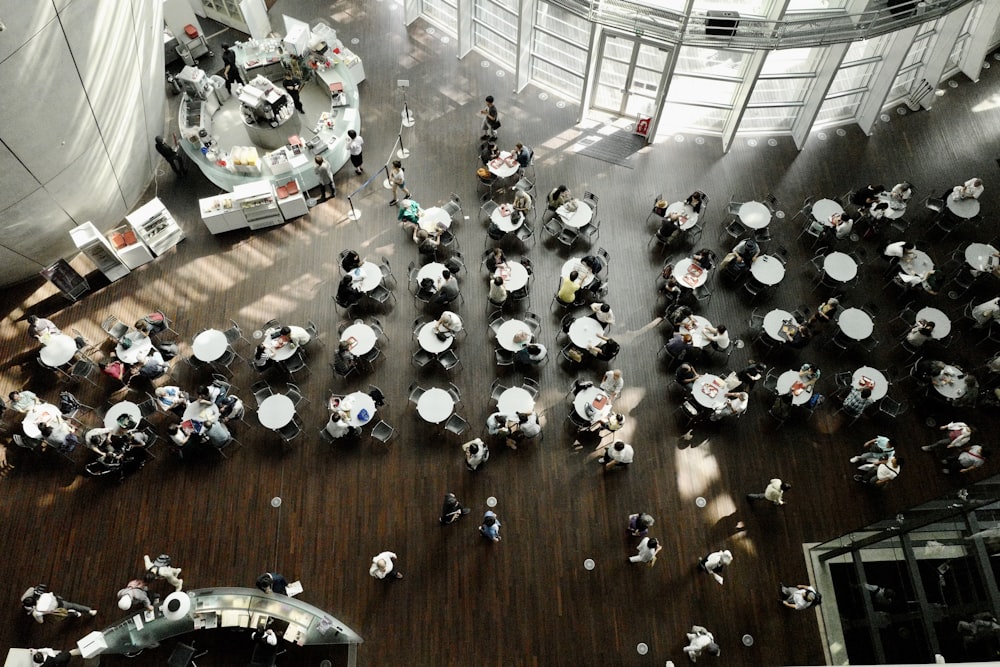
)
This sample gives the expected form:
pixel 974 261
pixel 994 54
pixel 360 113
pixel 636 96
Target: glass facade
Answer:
pixel 784 67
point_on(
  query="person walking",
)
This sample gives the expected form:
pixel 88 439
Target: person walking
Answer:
pixel 646 550
pixel 397 178
pixel 773 492
pixel 384 566
pixel 293 85
pixel 639 524
pixel 715 562
pixel 171 155
pixel 229 70
pixel 136 592
pixel 38 603
pixel 355 146
pixel 491 119
pixel 324 172
pixel 490 528
pixel 700 641
pixel 452 510
pixel 880 472
pixel 799 597
pixel 476 454
pixel 959 434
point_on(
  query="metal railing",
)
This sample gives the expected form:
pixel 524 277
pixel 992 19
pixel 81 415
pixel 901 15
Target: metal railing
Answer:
pixel 796 30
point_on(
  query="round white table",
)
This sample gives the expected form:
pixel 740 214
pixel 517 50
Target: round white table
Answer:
pixel 57 349
pixel 286 349
pixel 578 218
pixel 896 210
pixel 366 277
pixel 435 405
pixel 688 274
pixel 696 330
pixel 514 400
pixel 504 166
pixel 709 391
pixel 504 218
pixel 767 270
pixel 784 386
pixel 357 409
pixel 514 275
pixel 39 414
pixel 855 323
pixel 954 382
pixel 840 266
pixel 434 271
pixel 360 338
pixel 942 323
pixel 434 219
pixel 140 346
pixel 507 331
pixel 963 208
pixel 755 215
pixel 209 345
pixel 824 209
pixel 916 263
pixel 687 215
pixel 428 339
pixel 874 379
pixel 117 410
pixel 197 410
pixel 980 256
pixel 773 321
pixel 574 264
pixel 597 399
pixel 584 332
pixel 276 411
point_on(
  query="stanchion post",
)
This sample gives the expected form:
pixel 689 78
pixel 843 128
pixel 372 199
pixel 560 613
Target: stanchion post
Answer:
pixel 354 213
pixel 387 183
pixel 408 120
pixel 403 152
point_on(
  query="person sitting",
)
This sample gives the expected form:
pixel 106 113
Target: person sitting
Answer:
pixel 751 374
pixel 670 231
pixel 878 210
pixel 522 204
pixel 602 313
pixel 931 281
pixel 672 290
pixel 497 258
pixel 449 323
pixel 427 243
pixel 59 433
pixel 170 398
pixel 487 152
pixel 920 333
pixel 901 192
pixel 606 351
pixel 797 335
pixel 409 213
pixel 679 345
pixel 262 357
pixel 686 375
pixel 152 366
pixel 557 197
pixel 986 312
pixel 231 407
pixel 522 154
pixel 447 288
pixel 898 250
pixel 695 200
pixel 841 226
pixel 350 260
pixel 526 428
pixel 347 294
pixel 115 369
pixel 704 258
pixel 344 360
pixel 39 326
pixel 568 288
pixel 295 335
pixel 531 355
pixel 22 401
pixel 738 262
pixel 593 263
pixel 867 195
pixel 735 404
pixel 496 424
pixel 857 401
pixel 718 337
pixel 971 189
pixel 497 295
pixel 337 427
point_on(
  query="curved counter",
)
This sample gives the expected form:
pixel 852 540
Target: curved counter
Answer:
pixel 300 623
pixel 225 119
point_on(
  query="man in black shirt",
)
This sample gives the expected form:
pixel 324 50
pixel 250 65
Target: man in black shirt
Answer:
pixel 172 156
pixel 229 70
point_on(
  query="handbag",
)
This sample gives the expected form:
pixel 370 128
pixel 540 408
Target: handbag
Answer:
pixel 495 124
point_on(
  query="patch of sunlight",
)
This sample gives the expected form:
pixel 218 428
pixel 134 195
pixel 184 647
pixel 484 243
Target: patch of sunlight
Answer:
pixel 630 399
pixel 990 103
pixel 630 335
pixel 720 506
pixel 567 136
pixel 697 470
pixel 265 308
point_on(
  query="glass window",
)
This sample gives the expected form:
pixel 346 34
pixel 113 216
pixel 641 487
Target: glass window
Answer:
pixel 839 109
pixel 814 5
pixel 711 62
pixel 744 7
pixel 443 13
pixel 780 91
pixel 766 119
pixel 494 30
pixel 791 61
pixel 688 89
pixel 852 78
pixel 559 50
pixel 688 117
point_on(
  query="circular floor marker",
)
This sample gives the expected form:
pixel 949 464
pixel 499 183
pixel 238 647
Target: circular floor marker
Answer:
pixel 356 40
pixel 491 501
pixel 751 142
pixel 902 111
pixel 996 56
pixel 641 648
pixel 700 501
pixel 501 74
pixel 699 140
pixel 445 39
pixel 748 640
pixel 258 334
pixel 485 64
pixel 772 142
pixel 543 96
pixel 560 105
pixel 780 215
pixel 821 136
pixel 738 343
pixel 679 138
pixel 953 84
pixel 885 118
pixel 431 31
pixel 589 564
pixel 939 92
pixel 276 501
pixel 841 132
pixel 986 65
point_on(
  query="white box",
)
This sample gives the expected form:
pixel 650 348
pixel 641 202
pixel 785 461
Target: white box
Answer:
pixel 92 644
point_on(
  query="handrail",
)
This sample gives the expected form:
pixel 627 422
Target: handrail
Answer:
pixel 795 30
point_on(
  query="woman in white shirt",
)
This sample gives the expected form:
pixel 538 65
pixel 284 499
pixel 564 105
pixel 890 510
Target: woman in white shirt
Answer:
pixel 355 147
pixel 647 550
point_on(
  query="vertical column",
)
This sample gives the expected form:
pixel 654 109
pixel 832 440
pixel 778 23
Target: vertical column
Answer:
pixel 949 28
pixel 825 72
pixel 522 66
pixel 411 11
pixel 878 90
pixel 465 9
pixel 979 40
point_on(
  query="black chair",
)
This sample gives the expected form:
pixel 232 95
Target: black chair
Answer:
pixel 183 655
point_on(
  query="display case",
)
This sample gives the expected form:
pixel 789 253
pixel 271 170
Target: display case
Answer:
pixel 291 198
pixel 155 226
pixel 258 203
pixel 222 214
pixel 93 244
pixel 129 247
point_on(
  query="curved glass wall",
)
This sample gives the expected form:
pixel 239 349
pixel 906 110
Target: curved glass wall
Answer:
pixel 728 67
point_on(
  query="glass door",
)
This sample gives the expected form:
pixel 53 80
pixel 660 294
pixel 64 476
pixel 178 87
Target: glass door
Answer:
pixel 631 74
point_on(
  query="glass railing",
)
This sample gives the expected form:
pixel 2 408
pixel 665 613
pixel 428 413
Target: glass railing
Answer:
pixel 730 31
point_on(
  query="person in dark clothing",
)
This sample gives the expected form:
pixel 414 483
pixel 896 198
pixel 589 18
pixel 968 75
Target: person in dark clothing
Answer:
pixel 271 582
pixel 749 376
pixel 229 70
pixel 452 510
pixel 293 85
pixel 172 156
pixel 347 295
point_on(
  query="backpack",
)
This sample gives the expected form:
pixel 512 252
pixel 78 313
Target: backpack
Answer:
pixel 67 403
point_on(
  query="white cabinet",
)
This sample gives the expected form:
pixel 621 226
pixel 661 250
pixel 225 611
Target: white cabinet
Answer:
pixel 291 199
pixel 130 247
pixel 93 244
pixel 221 214
pixel 259 204
pixel 154 225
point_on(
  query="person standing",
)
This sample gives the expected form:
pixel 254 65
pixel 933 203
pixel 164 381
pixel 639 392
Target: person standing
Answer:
pixel 715 562
pixel 38 603
pixel 229 69
pixel 646 550
pixel 135 592
pixel 491 119
pixel 639 524
pixel 171 155
pixel 700 641
pixel 617 454
pixel 476 454
pixel 272 582
pixel 490 528
pixel 293 85
pixel 799 597
pixel 773 492
pixel 959 434
pixel 356 148
pixel 324 172
pixel 881 472
pixel 452 510
pixel 397 178
pixel 613 383
pixel 384 565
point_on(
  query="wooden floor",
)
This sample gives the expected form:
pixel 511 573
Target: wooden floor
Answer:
pixel 527 600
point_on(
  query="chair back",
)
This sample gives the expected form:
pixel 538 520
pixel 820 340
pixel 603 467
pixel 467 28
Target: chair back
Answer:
pixel 456 425
pixel 383 432
pixel 415 392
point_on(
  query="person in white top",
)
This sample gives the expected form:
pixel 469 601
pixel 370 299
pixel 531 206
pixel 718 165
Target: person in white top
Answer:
pixel 337 427
pixel 842 225
pixel 383 565
pixel 617 454
pixel 700 641
pixel 971 189
pixel 715 562
pixel 901 191
pixel 735 405
pixel 898 249
pixel 449 322
pixel 603 314
pixel 718 335
pixel 476 453
pixel 613 383
pixel 959 434
pixel 986 312
pixel 647 550
pixel 355 147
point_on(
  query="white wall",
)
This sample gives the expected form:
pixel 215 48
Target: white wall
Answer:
pixel 84 95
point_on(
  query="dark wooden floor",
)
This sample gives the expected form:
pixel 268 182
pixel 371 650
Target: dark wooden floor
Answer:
pixel 527 600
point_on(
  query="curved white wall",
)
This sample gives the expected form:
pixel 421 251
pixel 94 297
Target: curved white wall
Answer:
pixel 83 97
